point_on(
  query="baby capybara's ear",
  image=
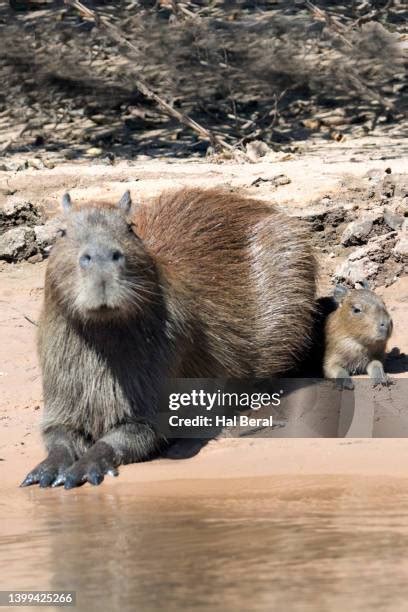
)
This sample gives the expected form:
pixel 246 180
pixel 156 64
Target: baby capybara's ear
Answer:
pixel 363 284
pixel 125 202
pixel 339 293
pixel 66 202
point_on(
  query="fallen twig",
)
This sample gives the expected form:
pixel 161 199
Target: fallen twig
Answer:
pixel 20 313
pixel 374 14
pixel 30 320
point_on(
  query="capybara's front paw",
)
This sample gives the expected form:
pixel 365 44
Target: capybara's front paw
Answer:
pixel 92 467
pixel 47 472
pixel 83 471
pixel 44 474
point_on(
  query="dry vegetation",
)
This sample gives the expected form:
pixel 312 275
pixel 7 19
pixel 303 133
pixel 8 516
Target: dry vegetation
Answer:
pixel 277 71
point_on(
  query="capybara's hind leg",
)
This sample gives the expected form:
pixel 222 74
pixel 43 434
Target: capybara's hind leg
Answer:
pixel 64 447
pixel 127 443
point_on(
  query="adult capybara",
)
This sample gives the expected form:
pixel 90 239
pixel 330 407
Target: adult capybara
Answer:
pixel 196 283
pixel 356 335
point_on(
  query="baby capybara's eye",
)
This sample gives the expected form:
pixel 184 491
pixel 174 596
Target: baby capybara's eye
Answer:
pixel 356 309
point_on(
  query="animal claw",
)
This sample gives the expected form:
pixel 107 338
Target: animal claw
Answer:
pixel 46 479
pixel 60 480
pixel 95 477
pixel 384 381
pixel 29 480
pixel 71 482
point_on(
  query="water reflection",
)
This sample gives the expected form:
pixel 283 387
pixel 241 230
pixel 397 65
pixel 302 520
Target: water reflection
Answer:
pixel 280 544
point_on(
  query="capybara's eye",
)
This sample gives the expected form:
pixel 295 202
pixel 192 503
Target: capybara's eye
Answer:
pixel 356 309
pixel 61 232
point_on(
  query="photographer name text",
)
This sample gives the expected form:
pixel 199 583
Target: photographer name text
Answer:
pixel 240 420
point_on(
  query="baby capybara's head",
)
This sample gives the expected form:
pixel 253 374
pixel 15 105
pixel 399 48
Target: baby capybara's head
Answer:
pixel 98 268
pixel 362 315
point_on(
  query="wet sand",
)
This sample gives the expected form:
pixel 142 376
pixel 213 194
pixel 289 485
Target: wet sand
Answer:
pixel 291 542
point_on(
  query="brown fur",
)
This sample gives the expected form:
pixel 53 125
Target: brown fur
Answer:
pixel 215 284
pixel 236 273
pixel 356 336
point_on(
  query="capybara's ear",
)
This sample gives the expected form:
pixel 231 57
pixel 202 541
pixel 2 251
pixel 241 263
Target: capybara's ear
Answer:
pixel 339 293
pixel 125 202
pixel 66 202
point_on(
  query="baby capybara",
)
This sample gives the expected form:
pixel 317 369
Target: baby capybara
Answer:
pixel 197 283
pixel 356 335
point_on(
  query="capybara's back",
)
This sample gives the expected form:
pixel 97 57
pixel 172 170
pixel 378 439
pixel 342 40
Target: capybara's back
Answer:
pixel 240 277
pixel 196 283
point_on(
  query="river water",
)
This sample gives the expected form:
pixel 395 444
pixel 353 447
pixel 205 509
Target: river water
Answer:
pixel 296 544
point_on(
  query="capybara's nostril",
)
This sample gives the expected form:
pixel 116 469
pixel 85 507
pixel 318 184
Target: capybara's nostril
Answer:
pixel 384 327
pixel 117 255
pixel 85 260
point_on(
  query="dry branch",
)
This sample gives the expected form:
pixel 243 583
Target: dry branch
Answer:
pixel 76 76
pixel 116 35
pixel 338 29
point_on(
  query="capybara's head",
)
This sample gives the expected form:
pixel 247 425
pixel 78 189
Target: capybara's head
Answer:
pixel 98 267
pixel 362 315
